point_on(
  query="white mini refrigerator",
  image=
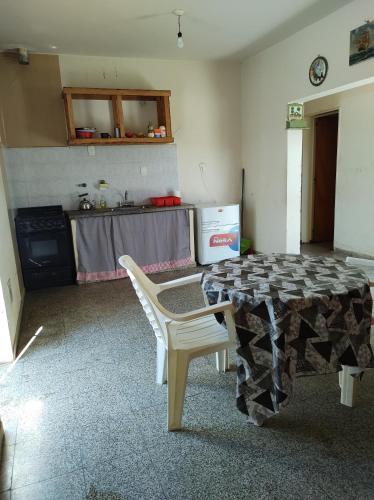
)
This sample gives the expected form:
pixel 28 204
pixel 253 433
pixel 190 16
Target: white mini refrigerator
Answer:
pixel 217 233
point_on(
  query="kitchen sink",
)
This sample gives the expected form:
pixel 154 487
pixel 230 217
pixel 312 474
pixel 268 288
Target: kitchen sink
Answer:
pixel 133 207
pixel 118 209
pixel 123 209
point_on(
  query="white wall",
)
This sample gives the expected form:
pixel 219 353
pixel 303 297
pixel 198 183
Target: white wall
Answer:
pixel 270 80
pixel 49 176
pixel 354 205
pixel 10 302
pixel 205 113
pixel 355 169
pixel 294 166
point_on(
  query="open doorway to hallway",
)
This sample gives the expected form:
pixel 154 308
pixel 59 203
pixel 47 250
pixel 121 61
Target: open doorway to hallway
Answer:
pixel 325 152
pixel 353 221
pixel 319 180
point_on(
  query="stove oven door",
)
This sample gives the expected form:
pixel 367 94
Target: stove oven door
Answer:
pixel 44 249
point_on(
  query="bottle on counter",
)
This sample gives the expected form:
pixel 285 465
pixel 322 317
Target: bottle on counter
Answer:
pixel 151 132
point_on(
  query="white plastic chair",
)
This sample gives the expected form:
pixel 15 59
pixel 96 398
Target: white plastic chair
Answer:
pixel 347 382
pixel 180 337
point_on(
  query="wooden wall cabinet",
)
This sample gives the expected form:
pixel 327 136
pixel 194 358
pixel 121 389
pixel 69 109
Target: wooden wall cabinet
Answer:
pixel 30 96
pixel 117 96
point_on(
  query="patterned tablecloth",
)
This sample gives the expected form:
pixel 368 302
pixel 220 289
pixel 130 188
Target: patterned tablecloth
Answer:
pixel 294 316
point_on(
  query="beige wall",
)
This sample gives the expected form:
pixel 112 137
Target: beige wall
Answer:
pixel 270 80
pixel 10 302
pixel 205 110
pixel 32 105
pixel 205 113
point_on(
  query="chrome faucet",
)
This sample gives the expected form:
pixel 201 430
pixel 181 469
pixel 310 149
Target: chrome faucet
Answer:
pixel 124 201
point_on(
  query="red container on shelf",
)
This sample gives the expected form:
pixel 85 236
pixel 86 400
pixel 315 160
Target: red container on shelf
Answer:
pixel 85 132
pixel 165 201
pixel 169 202
pixel 82 134
pixel 158 201
pixel 176 200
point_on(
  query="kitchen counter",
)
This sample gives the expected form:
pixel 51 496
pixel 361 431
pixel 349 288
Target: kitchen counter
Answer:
pixel 136 209
pixel 159 239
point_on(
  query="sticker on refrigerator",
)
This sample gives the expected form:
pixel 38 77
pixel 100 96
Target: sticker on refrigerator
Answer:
pixel 230 239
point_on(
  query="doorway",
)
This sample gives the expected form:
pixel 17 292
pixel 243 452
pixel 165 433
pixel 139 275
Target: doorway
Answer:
pixel 325 154
pixel 300 167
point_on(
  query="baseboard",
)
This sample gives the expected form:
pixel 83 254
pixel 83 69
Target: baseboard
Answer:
pixel 19 322
pixel 353 254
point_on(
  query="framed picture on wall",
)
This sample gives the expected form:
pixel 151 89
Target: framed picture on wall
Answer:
pixel 361 43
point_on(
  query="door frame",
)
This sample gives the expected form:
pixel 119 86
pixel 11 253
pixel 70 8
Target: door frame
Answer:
pixel 294 145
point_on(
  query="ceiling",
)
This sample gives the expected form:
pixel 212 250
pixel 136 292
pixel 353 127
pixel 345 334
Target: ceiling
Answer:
pixel 212 29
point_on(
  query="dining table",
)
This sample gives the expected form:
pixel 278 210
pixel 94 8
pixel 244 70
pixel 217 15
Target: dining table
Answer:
pixel 295 316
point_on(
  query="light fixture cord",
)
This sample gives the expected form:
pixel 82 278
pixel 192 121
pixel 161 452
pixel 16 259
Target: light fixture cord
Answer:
pixel 179 24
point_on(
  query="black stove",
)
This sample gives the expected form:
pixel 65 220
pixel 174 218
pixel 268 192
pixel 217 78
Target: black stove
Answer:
pixel 45 247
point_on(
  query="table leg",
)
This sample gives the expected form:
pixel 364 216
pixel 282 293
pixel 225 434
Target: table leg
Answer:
pixel 348 384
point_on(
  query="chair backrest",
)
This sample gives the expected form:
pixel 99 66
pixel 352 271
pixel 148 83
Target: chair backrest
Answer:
pixel 147 292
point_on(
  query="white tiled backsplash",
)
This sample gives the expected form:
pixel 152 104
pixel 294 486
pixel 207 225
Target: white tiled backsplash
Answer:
pixel 49 176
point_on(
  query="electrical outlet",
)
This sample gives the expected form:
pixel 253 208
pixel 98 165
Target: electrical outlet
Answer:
pixel 143 171
pixel 91 150
pixel 9 283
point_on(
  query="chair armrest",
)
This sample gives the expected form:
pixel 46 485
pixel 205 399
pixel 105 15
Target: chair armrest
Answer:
pixel 187 280
pixel 204 311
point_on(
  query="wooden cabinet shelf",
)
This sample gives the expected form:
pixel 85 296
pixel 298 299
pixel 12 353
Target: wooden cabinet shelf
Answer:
pixel 117 96
pixel 120 140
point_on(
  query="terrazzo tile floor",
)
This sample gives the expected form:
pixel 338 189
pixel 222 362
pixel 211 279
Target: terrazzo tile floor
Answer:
pixel 322 249
pixel 84 418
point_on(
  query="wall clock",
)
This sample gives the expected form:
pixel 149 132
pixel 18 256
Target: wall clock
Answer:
pixel 318 71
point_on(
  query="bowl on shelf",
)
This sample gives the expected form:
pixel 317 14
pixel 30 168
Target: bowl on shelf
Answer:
pixel 85 132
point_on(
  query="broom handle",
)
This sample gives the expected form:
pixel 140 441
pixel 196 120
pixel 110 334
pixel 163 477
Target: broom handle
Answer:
pixel 242 205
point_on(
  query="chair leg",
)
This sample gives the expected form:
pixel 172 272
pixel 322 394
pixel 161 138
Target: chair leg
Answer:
pixel 178 362
pixel 348 384
pixel 161 377
pixel 222 360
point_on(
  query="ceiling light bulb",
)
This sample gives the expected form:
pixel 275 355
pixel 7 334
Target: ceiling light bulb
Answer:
pixel 180 42
pixel 179 13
